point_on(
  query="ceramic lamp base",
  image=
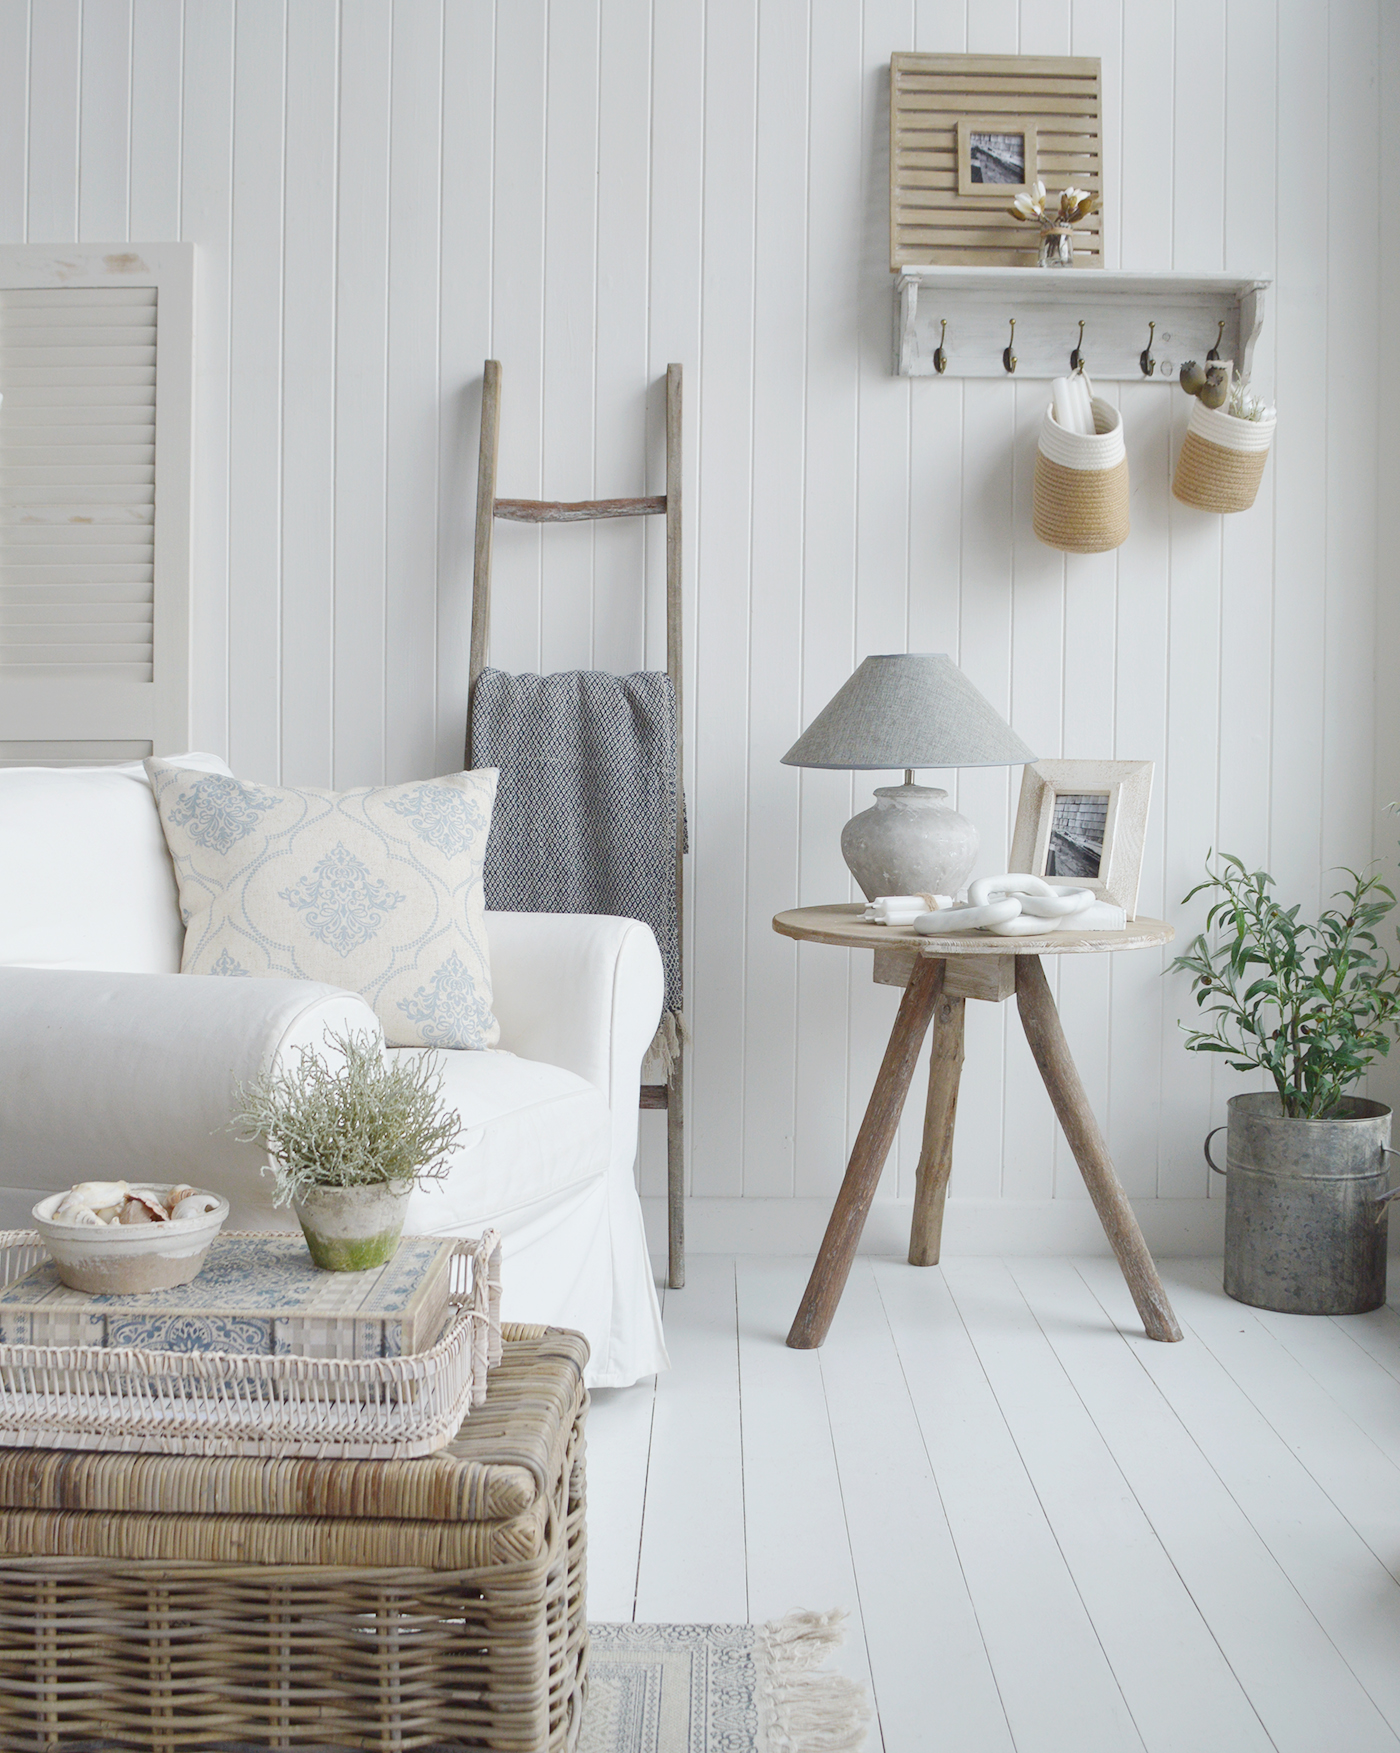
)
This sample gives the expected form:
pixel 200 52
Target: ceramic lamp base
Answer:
pixel 911 842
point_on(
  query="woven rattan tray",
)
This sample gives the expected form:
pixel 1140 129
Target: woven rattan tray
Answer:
pixel 215 1403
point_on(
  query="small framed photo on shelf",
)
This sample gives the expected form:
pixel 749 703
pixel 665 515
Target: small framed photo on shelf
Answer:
pixel 996 155
pixel 1085 823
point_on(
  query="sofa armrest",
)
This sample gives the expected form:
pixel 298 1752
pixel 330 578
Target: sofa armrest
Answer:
pixel 581 990
pixel 131 1076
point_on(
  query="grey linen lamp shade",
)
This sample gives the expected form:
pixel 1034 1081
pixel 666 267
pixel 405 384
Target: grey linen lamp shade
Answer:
pixel 910 709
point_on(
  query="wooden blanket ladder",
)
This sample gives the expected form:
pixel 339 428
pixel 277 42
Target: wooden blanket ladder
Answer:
pixel 671 1094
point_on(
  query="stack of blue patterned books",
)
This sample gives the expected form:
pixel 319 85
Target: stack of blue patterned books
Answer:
pixel 254 1296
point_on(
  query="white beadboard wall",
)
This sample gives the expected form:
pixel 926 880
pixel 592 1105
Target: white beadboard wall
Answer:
pixel 386 193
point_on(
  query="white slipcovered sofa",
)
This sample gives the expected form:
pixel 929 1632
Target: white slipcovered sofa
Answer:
pixel 114 1064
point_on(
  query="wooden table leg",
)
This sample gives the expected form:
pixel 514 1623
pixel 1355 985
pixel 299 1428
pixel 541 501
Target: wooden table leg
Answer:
pixel 1046 1036
pixel 936 1154
pixel 872 1146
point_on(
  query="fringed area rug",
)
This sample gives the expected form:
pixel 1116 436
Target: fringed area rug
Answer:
pixel 721 1689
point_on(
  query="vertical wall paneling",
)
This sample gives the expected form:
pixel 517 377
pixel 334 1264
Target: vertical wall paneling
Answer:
pixel 673 332
pixel 882 509
pixel 517 329
pixel 620 384
pixel 1299 463
pixel 361 385
pixel 831 304
pixel 385 192
pixel 157 30
pixel 14 119
pixel 104 121
pixel 464 319
pixel 570 331
pixel 255 355
pixel 780 239
pixel 722 530
pixel 55 59
pixel 411 520
pixel 1384 1083
pixel 308 392
pixel 1354 200
pixel 206 217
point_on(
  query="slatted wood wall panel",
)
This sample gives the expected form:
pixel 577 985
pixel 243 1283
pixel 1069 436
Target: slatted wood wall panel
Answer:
pixel 931 96
pixel 384 194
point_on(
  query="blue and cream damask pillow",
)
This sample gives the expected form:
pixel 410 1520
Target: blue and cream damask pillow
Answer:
pixel 377 890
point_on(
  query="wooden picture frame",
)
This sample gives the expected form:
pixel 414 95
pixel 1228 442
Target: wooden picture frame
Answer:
pixel 1066 808
pixel 939 217
pixel 977 130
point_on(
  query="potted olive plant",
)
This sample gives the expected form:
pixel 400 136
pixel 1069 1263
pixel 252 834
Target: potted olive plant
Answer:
pixel 350 1136
pixel 1311 1004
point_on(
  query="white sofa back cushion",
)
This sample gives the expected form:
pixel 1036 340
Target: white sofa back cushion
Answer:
pixel 85 877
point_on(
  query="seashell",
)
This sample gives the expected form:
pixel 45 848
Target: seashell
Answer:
pixel 173 1196
pixel 143 1208
pixel 195 1206
pixel 76 1214
pixel 99 1195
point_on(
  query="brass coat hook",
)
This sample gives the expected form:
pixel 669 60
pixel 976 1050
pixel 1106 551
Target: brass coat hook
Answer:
pixel 1145 359
pixel 940 357
pixel 1215 350
pixel 1008 358
pixel 1077 361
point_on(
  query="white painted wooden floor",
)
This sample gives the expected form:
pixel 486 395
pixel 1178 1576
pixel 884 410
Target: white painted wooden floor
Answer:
pixel 1050 1533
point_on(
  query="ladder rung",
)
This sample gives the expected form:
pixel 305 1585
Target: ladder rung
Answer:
pixel 576 511
pixel 654 1095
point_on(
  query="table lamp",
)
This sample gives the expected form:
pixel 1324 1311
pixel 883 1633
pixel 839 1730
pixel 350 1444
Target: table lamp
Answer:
pixel 910 710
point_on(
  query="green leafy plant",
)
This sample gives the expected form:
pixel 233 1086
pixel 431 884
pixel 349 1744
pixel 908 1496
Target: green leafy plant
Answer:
pixel 360 1123
pixel 1312 1003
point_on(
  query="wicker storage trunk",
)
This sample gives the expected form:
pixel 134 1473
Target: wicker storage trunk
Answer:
pixel 169 1602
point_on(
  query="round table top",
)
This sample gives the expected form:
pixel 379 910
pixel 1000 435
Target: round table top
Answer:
pixel 843 925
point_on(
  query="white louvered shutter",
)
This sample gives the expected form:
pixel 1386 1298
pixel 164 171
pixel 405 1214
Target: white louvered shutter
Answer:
pixel 94 503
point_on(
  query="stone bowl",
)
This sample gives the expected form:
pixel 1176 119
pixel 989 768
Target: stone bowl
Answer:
pixel 122 1259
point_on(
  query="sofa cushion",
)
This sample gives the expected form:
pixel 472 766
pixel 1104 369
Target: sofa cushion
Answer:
pixel 529 1130
pixel 85 879
pixel 377 890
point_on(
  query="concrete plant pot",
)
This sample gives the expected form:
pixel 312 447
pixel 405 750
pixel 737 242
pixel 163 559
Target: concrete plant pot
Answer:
pixel 351 1229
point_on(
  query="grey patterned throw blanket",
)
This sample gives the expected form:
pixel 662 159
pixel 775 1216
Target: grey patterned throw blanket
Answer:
pixel 585 815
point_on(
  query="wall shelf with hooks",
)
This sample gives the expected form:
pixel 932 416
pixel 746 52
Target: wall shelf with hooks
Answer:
pixel 1129 321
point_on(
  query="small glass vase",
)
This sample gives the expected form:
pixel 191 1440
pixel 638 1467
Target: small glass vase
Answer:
pixel 1056 249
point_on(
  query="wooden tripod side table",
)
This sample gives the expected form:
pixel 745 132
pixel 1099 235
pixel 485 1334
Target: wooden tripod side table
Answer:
pixel 938 975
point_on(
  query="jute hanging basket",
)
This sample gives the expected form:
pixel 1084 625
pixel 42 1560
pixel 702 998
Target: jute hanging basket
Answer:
pixel 1222 460
pixel 1081 484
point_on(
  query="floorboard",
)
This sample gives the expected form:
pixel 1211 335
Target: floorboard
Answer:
pixel 1171 1670
pixel 794 1516
pixel 1058 1689
pixel 928 1655
pixel 1339 1681
pixel 692 1566
pixel 1047 1531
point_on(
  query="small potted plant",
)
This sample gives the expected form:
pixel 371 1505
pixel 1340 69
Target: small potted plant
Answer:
pixel 1311 1004
pixel 349 1141
pixel 1227 439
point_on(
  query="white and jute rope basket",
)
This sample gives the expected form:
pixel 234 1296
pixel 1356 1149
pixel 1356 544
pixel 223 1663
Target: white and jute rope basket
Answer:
pixel 1222 460
pixel 133 1400
pixel 1081 484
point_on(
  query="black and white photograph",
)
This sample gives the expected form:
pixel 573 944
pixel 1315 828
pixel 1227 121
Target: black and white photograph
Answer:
pixel 1076 834
pixel 997 158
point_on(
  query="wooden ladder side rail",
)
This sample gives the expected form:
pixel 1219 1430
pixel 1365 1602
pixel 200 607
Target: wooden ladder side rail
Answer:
pixel 671 1094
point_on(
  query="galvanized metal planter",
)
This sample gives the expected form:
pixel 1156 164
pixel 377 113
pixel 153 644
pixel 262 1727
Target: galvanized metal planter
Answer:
pixel 1305 1206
